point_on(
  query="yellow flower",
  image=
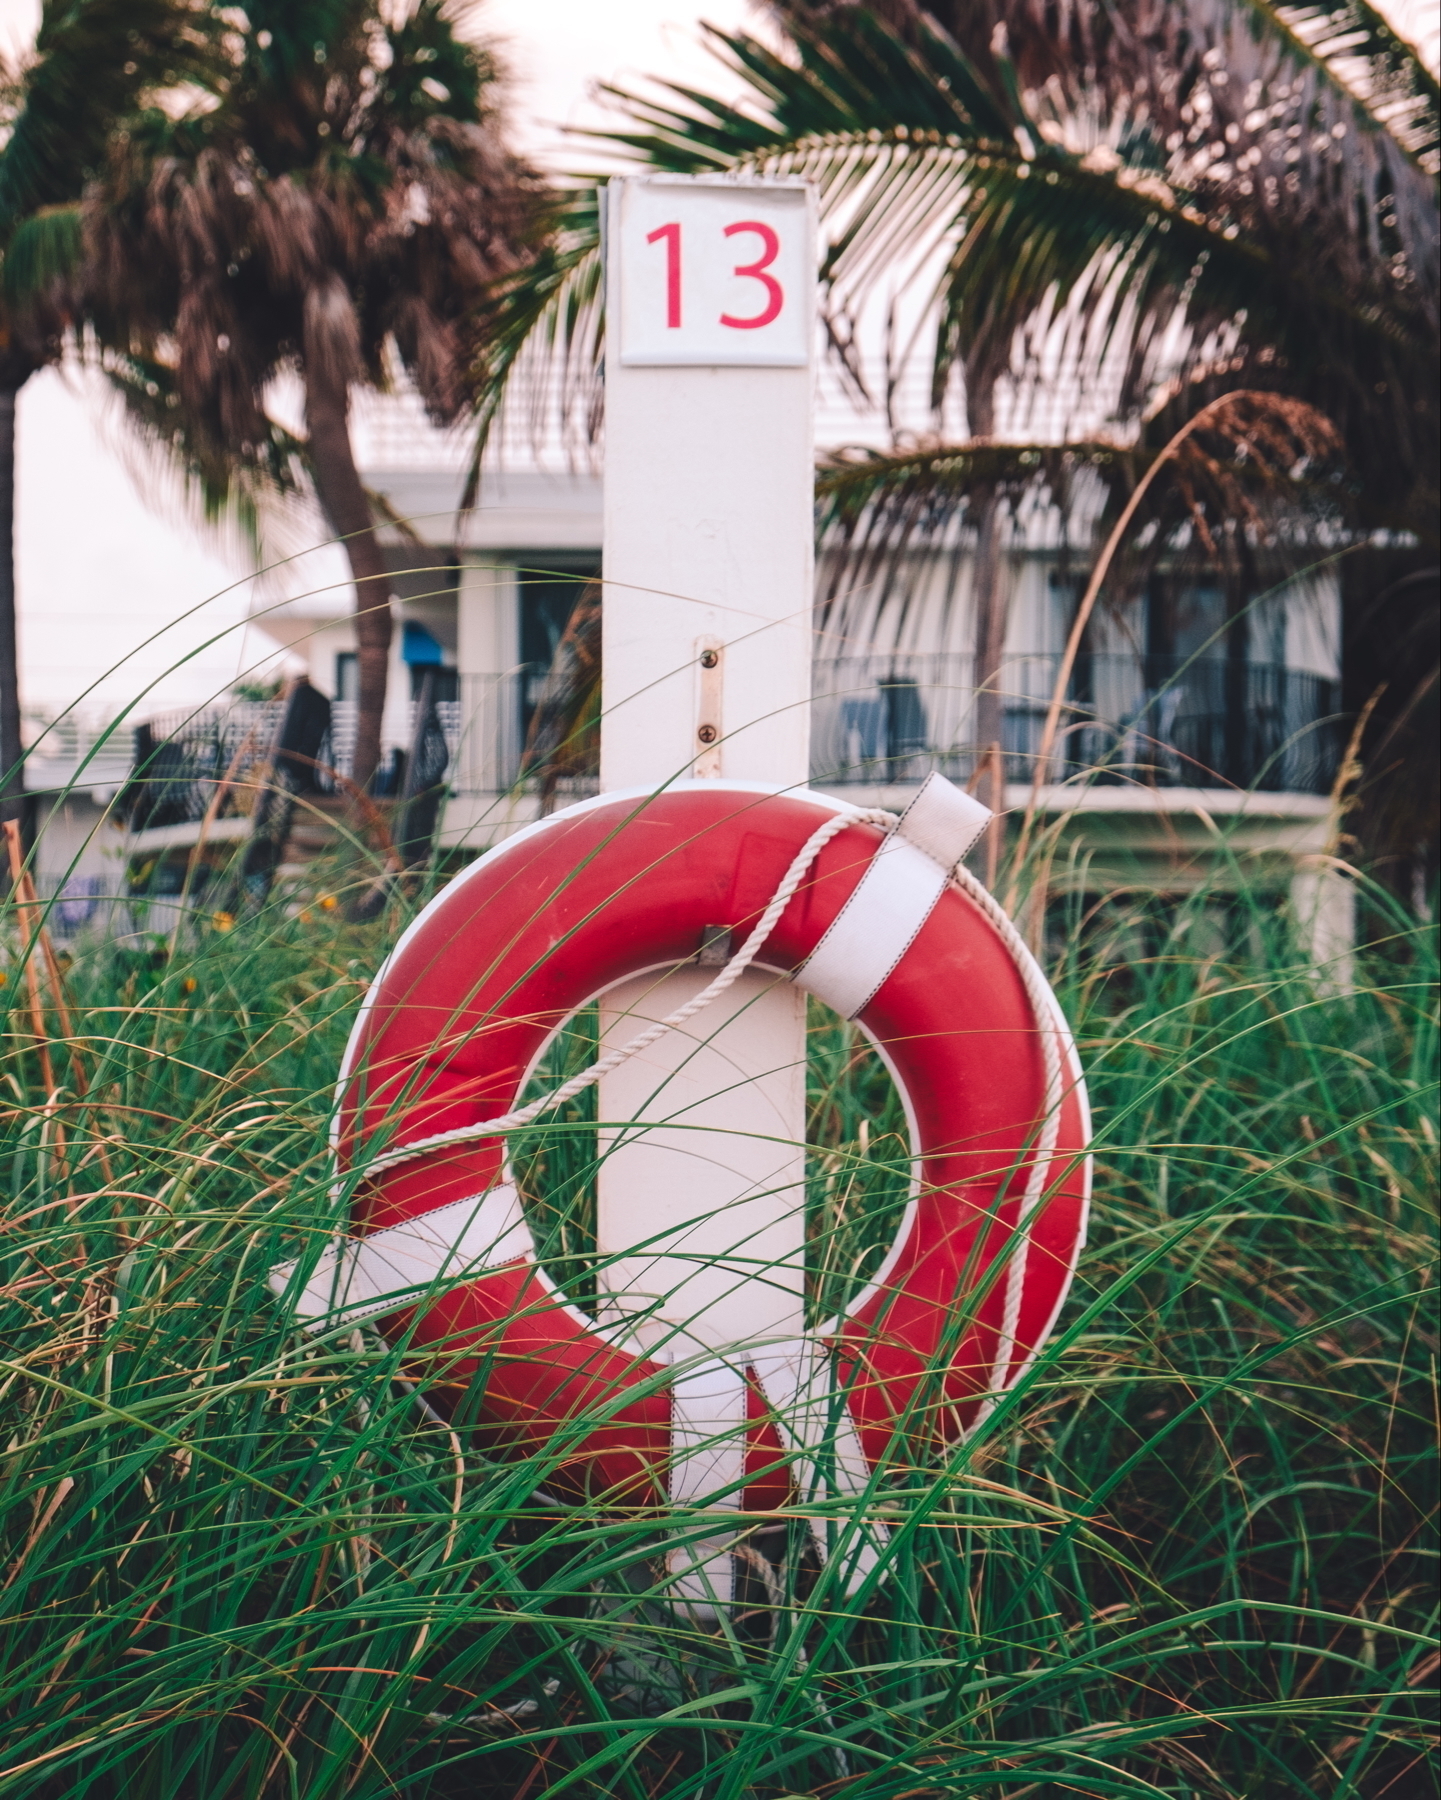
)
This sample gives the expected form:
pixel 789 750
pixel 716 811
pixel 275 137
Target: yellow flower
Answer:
pixel 223 921
pixel 190 984
pixel 329 902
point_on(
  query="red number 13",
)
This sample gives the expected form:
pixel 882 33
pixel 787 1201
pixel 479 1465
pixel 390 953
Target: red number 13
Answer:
pixel 752 271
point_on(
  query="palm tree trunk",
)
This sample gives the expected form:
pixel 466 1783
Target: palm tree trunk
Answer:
pixel 989 596
pixel 990 600
pixel 337 481
pixel 12 779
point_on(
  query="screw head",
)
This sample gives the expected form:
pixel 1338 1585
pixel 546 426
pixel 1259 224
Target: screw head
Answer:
pixel 709 658
pixel 707 734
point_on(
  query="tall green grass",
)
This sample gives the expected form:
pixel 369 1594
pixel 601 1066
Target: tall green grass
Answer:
pixel 1193 1555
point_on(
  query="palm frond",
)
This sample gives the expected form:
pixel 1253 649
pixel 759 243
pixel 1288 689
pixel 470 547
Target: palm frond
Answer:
pixel 914 149
pixel 434 70
pixel 876 512
pixel 44 253
pixel 1361 49
pixel 245 490
pixel 862 484
pixel 1334 290
pixel 1159 60
pixel 1251 488
pixel 884 125
pixel 92 62
pixel 363 157
pixel 541 351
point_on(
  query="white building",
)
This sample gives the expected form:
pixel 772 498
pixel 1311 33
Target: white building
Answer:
pixel 1188 733
pixel 1189 736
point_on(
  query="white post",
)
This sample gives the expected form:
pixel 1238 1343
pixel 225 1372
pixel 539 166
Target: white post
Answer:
pixel 487 655
pixel 709 475
pixel 706 675
pixel 1323 903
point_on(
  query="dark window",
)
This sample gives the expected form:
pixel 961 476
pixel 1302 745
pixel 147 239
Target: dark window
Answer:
pixel 1185 618
pixel 547 600
pixel 446 682
pixel 347 676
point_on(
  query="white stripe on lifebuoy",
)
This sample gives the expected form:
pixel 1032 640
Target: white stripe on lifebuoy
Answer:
pixel 894 898
pixel 943 820
pixel 877 925
pixel 708 1412
pixel 708 1447
pixel 707 1467
pixel 391 1269
pixel 798 1381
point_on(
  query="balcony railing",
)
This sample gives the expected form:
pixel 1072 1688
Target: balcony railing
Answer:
pixel 184 761
pixel 1154 721
pixel 89 751
pixel 180 759
pixel 1160 722
pixel 876 720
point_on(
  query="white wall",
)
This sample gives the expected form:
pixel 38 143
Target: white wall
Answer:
pixel 107 578
pixel 488 624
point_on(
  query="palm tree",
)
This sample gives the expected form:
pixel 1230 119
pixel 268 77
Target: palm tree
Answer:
pixel 91 62
pixel 1177 199
pixel 345 200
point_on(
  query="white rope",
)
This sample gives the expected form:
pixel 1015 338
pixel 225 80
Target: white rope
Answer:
pixel 734 969
pixel 1042 1005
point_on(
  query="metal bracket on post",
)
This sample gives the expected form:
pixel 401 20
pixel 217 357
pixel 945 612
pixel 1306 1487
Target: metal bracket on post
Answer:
pixel 710 718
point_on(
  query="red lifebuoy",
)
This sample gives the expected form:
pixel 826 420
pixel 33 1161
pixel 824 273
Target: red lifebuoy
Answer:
pixel 590 896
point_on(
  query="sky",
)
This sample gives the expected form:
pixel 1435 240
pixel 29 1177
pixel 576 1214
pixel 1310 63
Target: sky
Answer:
pixel 557 51
pixel 109 555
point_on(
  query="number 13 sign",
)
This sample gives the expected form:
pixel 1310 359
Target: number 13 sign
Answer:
pixel 703 272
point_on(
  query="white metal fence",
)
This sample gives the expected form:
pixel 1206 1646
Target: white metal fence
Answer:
pixel 884 719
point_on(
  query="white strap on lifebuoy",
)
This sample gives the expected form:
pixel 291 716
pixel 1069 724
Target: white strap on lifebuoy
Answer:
pixel 360 1277
pixel 798 1380
pixel 708 1445
pixel 707 1468
pixel 894 898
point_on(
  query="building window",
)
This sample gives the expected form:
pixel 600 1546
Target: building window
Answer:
pixel 445 683
pixel 546 603
pixel 1185 619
